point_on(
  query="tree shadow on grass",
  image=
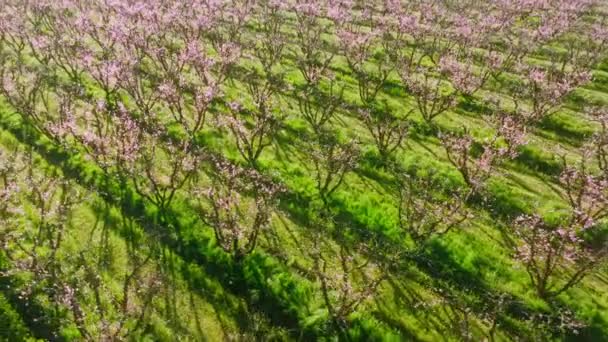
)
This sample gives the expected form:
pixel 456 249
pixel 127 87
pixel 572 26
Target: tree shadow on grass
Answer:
pixel 532 159
pixel 520 182
pixel 438 263
pixel 562 132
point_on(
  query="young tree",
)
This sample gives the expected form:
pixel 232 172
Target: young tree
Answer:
pixel 48 269
pixel 556 259
pixel 463 73
pixel 388 131
pixel 161 168
pixel 558 256
pixel 110 313
pixel 157 164
pixel 347 278
pixel 584 45
pixel 543 91
pixel 599 142
pixel 528 26
pixel 359 44
pixel 253 129
pixel 320 97
pixel 26 90
pixel 33 238
pixel 238 205
pixel 433 96
pixel 312 51
pixel 371 70
pixel 424 212
pixel 477 161
pixel 271 40
pixel 11 165
pixel 318 107
pixel 332 160
pixel 585 192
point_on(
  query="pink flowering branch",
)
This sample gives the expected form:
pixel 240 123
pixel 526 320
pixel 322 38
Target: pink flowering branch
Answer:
pixel 465 76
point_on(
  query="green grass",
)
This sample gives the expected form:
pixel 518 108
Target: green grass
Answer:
pixel 470 263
